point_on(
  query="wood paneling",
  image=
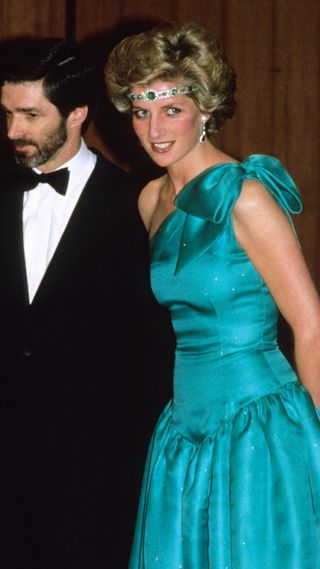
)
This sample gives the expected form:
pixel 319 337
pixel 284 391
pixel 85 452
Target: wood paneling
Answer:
pixel 38 18
pixel 297 113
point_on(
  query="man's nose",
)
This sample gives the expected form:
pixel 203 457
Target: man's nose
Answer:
pixel 14 128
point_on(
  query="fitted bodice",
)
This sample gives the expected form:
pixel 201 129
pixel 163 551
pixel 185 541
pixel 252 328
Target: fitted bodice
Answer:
pixel 221 309
pixel 219 304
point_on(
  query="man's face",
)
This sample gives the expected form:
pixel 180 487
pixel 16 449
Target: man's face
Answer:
pixel 36 129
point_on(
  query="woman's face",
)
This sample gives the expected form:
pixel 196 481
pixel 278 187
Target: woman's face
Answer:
pixel 169 128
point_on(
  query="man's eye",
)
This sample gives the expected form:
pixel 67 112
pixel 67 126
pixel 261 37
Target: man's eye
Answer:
pixel 32 115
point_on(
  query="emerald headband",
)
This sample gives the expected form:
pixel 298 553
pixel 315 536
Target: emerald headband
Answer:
pixel 152 95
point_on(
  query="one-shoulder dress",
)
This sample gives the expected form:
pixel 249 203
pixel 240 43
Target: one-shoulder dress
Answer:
pixel 232 479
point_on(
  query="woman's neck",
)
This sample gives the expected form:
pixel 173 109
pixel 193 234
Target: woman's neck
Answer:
pixel 180 173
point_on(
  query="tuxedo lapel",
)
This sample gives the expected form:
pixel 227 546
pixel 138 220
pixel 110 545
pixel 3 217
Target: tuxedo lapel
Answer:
pixel 14 277
pixel 81 233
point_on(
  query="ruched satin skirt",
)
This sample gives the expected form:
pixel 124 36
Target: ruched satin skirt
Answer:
pixel 246 496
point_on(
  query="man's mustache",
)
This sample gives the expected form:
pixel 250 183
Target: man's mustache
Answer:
pixel 24 142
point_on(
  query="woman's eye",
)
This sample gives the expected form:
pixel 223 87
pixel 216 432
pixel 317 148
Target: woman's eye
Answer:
pixel 173 111
pixel 139 113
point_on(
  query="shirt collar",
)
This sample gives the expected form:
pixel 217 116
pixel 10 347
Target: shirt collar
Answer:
pixel 79 164
pixel 84 160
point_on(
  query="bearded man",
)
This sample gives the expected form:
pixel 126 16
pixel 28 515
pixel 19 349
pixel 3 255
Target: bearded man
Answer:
pixel 77 321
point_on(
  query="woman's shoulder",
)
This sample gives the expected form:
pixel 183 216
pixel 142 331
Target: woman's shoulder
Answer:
pixel 253 197
pixel 149 194
pixel 213 193
pixel 266 181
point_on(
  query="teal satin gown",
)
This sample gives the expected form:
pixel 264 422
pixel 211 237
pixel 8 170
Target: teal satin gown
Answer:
pixel 232 479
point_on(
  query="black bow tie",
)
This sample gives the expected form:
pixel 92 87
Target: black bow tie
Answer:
pixel 58 179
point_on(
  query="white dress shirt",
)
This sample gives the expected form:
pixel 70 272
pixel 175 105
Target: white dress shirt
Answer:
pixel 46 214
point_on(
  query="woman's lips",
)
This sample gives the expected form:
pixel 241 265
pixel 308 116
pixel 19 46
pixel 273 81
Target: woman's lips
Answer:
pixel 161 146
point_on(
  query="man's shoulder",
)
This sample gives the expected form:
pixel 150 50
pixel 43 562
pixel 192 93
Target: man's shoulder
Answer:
pixel 106 171
pixel 114 188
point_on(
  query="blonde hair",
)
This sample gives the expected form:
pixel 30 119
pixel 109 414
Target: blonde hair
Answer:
pixel 174 52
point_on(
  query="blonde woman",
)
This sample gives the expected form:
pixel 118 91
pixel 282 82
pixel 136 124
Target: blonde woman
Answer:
pixel 232 479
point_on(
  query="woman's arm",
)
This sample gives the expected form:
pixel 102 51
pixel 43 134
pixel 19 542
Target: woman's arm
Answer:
pixel 265 233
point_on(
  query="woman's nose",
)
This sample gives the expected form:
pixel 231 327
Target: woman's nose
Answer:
pixel 155 128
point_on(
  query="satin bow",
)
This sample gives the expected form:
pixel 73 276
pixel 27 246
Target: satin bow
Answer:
pixel 209 198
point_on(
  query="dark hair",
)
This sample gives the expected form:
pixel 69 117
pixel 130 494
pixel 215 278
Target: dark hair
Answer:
pixel 182 52
pixel 69 80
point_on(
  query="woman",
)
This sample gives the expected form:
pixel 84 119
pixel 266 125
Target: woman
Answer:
pixel 233 474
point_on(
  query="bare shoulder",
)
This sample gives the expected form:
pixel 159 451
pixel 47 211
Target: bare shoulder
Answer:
pixel 260 223
pixel 255 202
pixel 148 199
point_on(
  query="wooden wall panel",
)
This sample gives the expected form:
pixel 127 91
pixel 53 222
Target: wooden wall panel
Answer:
pixel 247 39
pixel 297 113
pixel 39 18
pixel 105 16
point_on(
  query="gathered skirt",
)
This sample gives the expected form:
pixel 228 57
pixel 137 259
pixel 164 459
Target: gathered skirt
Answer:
pixel 246 496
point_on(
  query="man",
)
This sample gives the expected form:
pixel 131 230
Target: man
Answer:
pixel 77 322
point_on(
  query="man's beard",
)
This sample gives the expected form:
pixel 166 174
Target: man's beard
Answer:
pixel 54 140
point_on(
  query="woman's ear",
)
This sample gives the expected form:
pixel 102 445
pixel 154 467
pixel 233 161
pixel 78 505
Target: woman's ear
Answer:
pixel 205 117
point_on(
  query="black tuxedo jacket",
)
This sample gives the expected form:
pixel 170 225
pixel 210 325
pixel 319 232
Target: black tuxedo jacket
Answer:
pixel 77 368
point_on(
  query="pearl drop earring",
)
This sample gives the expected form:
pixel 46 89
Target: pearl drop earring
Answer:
pixel 203 135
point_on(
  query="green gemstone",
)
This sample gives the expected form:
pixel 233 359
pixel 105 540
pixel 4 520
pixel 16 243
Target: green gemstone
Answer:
pixel 150 95
pixel 174 91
